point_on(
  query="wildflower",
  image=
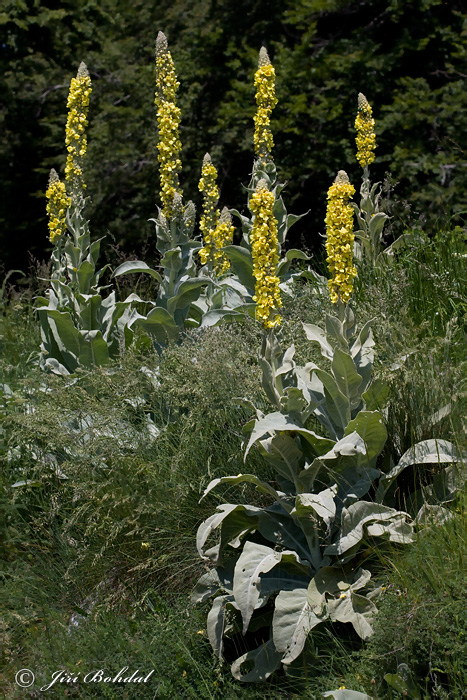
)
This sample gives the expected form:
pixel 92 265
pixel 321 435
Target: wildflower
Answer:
pixel 340 239
pixel 75 131
pixel 210 216
pixel 365 126
pixel 57 204
pixel 222 236
pixel 145 545
pixel 266 101
pixel 264 251
pixel 168 121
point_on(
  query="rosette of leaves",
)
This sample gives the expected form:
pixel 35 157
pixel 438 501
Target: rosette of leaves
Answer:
pixel 285 568
pixel 80 325
pixel 179 285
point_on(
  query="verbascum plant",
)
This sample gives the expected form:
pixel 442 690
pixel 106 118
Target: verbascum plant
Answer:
pixel 340 239
pixel 368 245
pixel 79 327
pixel 168 120
pixel 265 255
pixel 179 285
pixel 210 216
pixel 57 205
pixel 366 138
pixel 222 236
pixel 264 170
pixel 75 132
pixel 266 101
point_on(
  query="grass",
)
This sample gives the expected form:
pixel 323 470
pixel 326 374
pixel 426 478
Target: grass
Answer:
pixel 103 532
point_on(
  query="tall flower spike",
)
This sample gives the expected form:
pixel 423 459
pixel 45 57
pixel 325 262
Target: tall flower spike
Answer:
pixel 365 126
pixel 168 121
pixel 57 204
pixel 210 217
pixel 265 254
pixel 223 235
pixel 340 238
pixel 266 101
pixel 75 132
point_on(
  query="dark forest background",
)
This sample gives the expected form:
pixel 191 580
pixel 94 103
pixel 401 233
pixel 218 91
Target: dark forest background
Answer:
pixel 406 56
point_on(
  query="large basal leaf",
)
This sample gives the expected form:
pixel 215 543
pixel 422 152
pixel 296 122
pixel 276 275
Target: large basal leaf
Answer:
pixel 261 486
pixel 425 452
pixel 266 659
pixel 93 349
pixel 158 323
pixel 136 266
pixel 213 522
pixel 286 456
pixel 277 422
pixel 187 292
pixel 278 527
pixel 255 560
pixel 376 519
pixel 216 623
pixel 293 620
pixel 370 426
pixel 354 608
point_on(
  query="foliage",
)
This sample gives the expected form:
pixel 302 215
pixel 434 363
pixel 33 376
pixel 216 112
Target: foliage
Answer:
pixel 322 512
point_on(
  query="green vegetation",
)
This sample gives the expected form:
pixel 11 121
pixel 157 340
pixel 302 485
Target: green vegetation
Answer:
pixel 115 461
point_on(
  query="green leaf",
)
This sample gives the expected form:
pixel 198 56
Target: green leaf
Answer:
pixel 337 404
pixel 213 522
pixel 377 520
pixel 187 292
pixel 261 486
pixel 315 333
pixel 369 425
pixel 216 623
pixel 277 422
pixel 346 375
pixel 253 561
pixel 85 274
pixel 158 323
pixel 266 659
pixel 376 395
pixel 425 452
pixel 135 266
pixel 292 622
pixel 242 264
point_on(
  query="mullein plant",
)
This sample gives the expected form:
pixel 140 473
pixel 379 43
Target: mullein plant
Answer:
pixel 79 327
pixel 308 557
pixel 216 228
pixel 179 285
pixel 264 172
pixel 370 218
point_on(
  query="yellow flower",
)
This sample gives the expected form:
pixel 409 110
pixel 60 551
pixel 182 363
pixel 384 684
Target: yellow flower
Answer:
pixel 168 121
pixel 217 229
pixel 57 204
pixel 365 126
pixel 75 131
pixel 340 239
pixel 266 101
pixel 264 251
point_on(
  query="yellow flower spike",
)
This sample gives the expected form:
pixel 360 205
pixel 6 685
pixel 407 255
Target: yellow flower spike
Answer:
pixel 340 238
pixel 265 254
pixel 366 138
pixel 57 204
pixel 222 236
pixel 266 101
pixel 210 217
pixel 168 121
pixel 75 131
